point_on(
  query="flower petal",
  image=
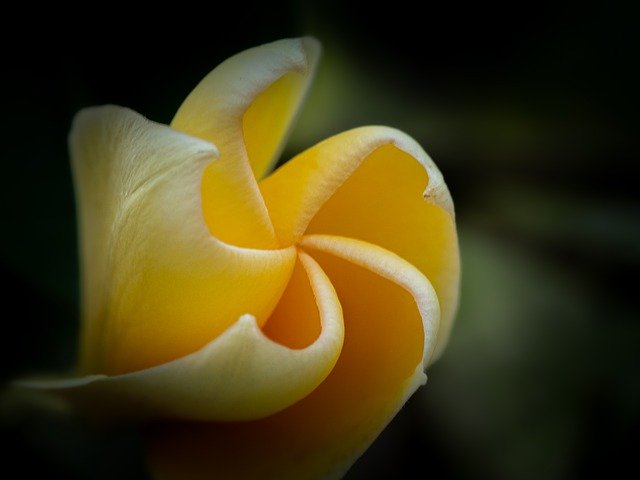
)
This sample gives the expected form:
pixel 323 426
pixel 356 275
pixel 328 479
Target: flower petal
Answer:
pixel 245 107
pixel 240 375
pixel 391 267
pixel 296 321
pixel 378 185
pixel 380 366
pixel 157 285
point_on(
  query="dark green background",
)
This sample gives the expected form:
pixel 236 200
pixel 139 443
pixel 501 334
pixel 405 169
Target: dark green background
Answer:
pixel 529 110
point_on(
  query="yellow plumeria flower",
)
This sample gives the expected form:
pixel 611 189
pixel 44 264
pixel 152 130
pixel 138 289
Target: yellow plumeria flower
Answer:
pixel 264 324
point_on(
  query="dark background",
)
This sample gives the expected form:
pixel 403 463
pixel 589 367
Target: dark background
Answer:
pixel 529 110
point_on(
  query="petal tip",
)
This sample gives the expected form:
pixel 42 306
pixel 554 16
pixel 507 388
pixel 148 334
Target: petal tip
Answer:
pixel 312 49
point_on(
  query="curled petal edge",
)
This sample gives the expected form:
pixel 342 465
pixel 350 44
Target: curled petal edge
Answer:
pixel 240 375
pixel 214 110
pixel 246 107
pixel 392 267
pixel 331 165
pixel 327 165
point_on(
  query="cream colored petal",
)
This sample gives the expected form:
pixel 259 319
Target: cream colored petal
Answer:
pixel 390 315
pixel 378 185
pixel 240 375
pixel 156 284
pixel 245 107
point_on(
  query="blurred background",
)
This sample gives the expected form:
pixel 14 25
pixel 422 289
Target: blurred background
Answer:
pixel 530 111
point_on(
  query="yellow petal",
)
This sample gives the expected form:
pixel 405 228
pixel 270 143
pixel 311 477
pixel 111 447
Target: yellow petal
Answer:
pixel 391 313
pixel 375 184
pixel 295 322
pixel 240 375
pixel 245 107
pixel 390 266
pixel 156 285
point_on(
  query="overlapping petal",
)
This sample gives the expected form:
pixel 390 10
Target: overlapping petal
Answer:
pixel 245 107
pixel 156 284
pixel 391 315
pixel 241 375
pixel 375 184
